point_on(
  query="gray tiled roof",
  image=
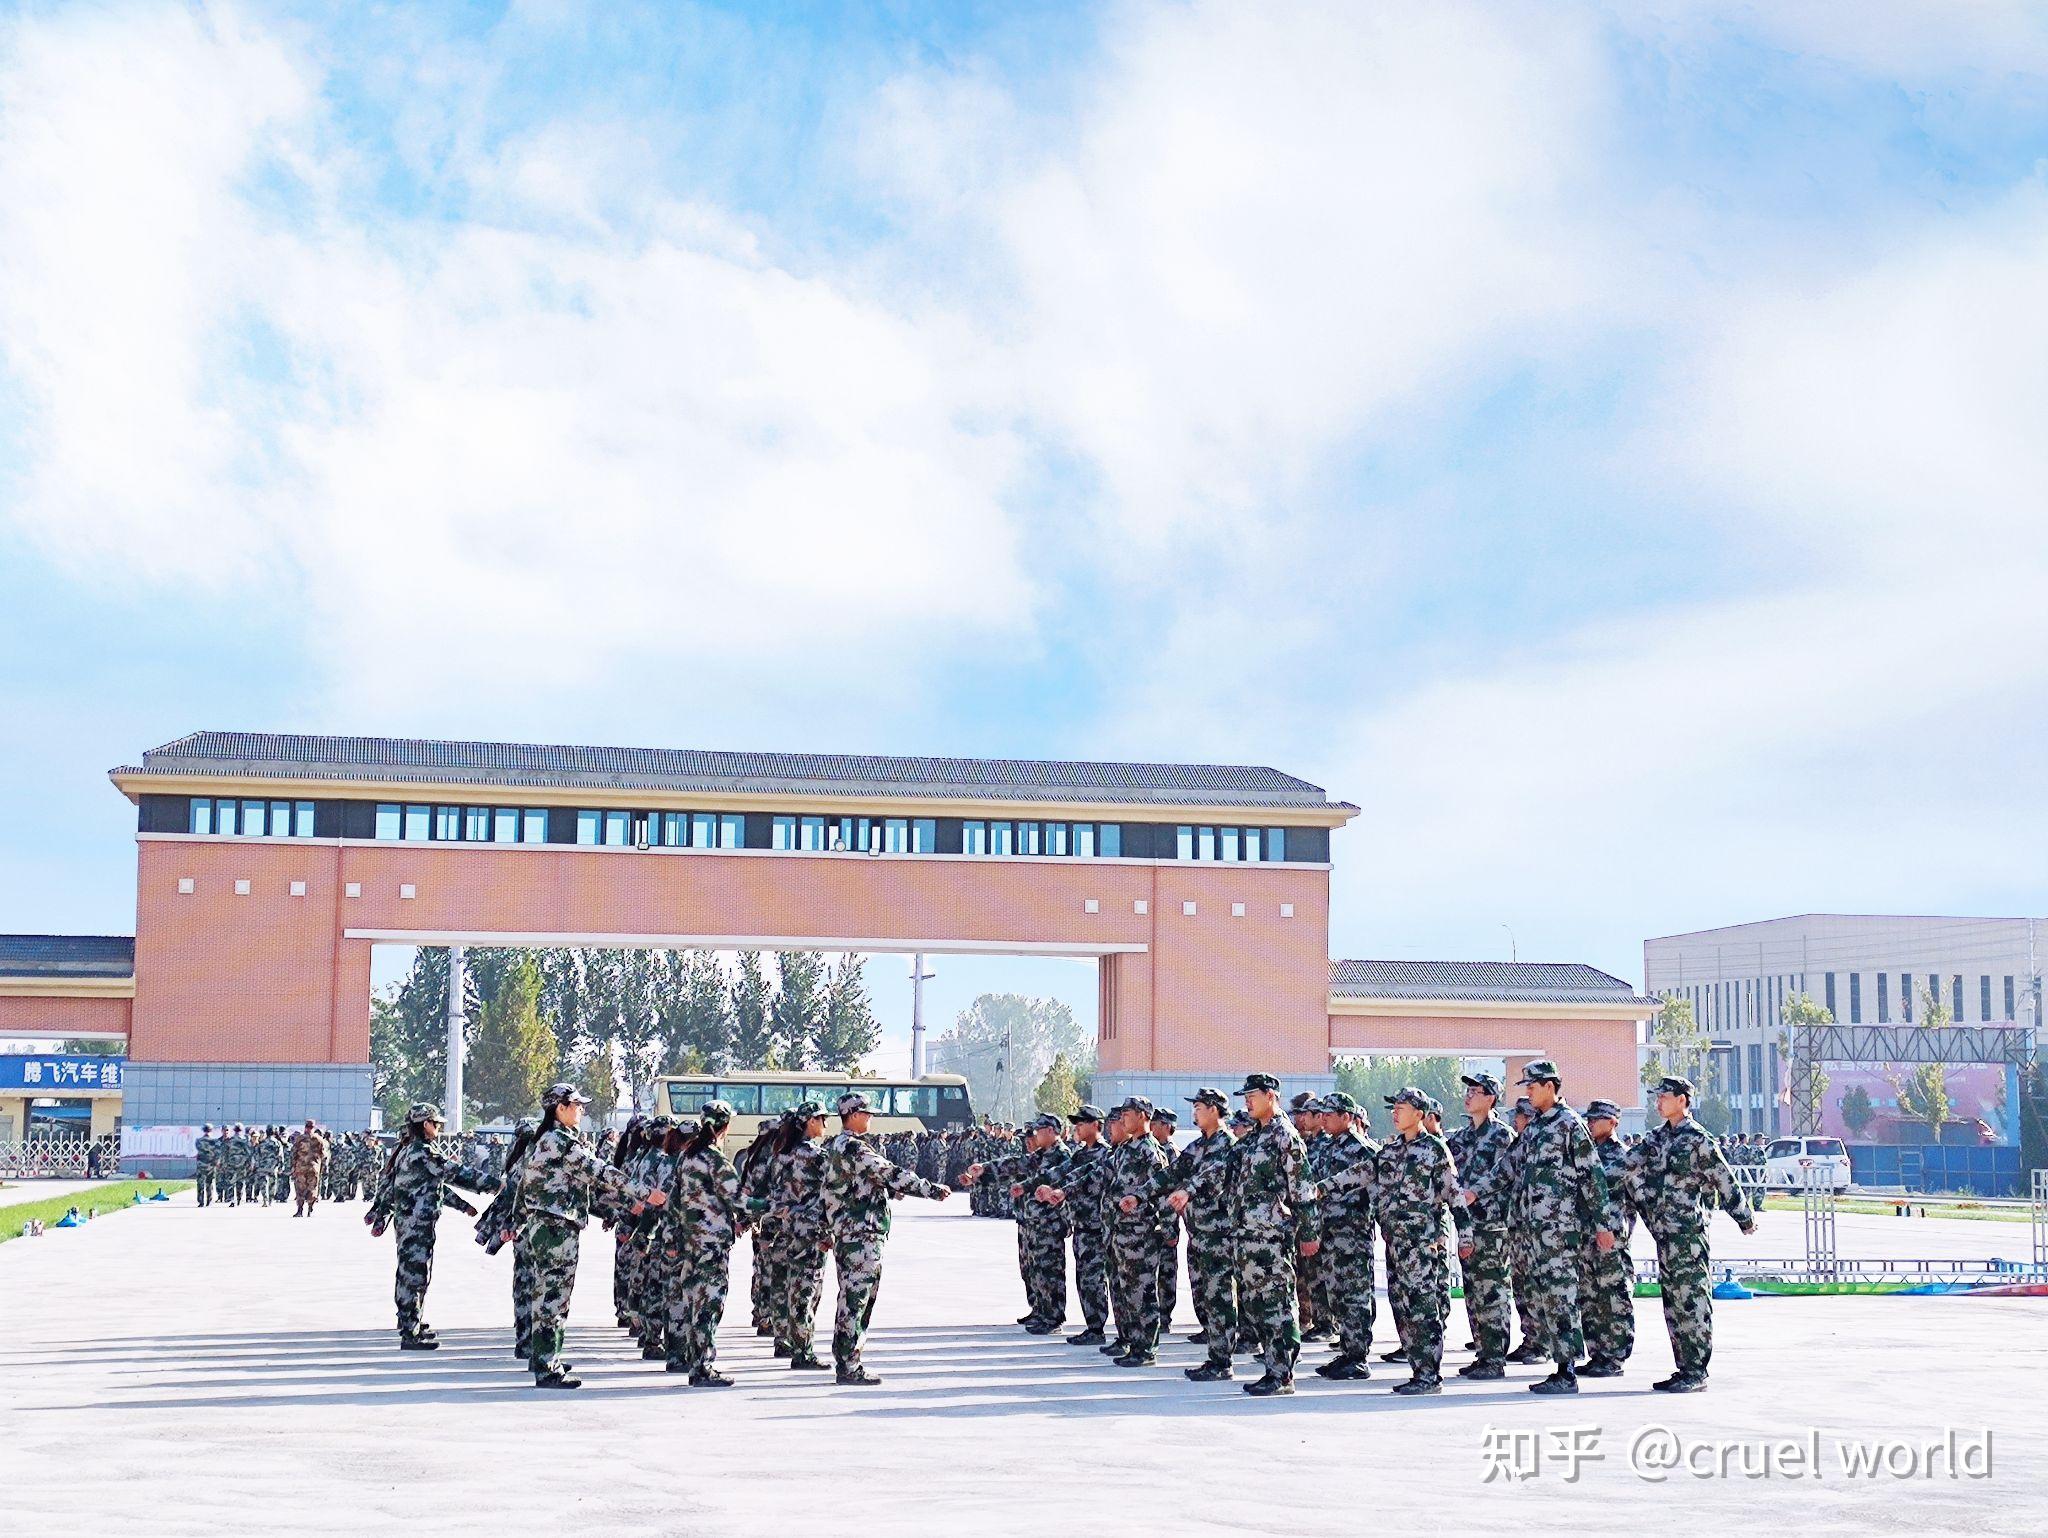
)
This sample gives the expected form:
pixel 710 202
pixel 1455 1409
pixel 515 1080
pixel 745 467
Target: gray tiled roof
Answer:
pixel 1516 982
pixel 430 762
pixel 67 955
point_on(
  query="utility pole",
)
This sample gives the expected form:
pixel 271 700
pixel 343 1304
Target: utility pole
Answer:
pixel 918 978
pixel 458 1018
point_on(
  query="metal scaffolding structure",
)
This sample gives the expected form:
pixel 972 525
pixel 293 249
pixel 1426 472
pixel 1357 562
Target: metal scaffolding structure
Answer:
pixel 1812 1046
pixel 1818 1199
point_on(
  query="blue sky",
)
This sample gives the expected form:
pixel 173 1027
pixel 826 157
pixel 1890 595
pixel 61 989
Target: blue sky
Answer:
pixel 1601 441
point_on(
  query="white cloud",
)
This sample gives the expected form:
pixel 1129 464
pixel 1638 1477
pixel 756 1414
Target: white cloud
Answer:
pixel 593 425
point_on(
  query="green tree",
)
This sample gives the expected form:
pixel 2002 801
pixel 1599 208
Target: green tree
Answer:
pixel 798 1012
pixel 748 1006
pixel 1369 1080
pixel 1003 1043
pixel 1856 1110
pixel 1059 1091
pixel 511 1052
pixel 848 1030
pixel 696 1021
pixel 88 1047
pixel 1677 1045
pixel 600 1081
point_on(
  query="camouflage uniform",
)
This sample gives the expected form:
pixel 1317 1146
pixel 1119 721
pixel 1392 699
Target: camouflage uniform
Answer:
pixel 1202 1169
pixel 1132 1168
pixel 1675 1177
pixel 1041 1229
pixel 411 1198
pixel 858 1185
pixel 1346 1259
pixel 1559 1199
pixel 1610 1279
pixel 646 1275
pixel 1480 1154
pixel 236 1160
pixel 1090 1226
pixel 1413 1183
pixel 705 1214
pixel 765 1285
pixel 1273 1212
pixel 797 1196
pixel 205 1165
pixel 309 1166
pixel 556 1181
pixel 1085 1187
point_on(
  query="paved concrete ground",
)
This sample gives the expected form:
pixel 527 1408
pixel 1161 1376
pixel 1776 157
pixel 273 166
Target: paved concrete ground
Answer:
pixel 170 1371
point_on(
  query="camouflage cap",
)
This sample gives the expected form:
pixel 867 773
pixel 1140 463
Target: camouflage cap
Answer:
pixel 1409 1096
pixel 1434 1108
pixel 1486 1083
pixel 1240 1119
pixel 1263 1081
pixel 1337 1103
pixel 1207 1096
pixel 806 1110
pixel 714 1113
pixel 1137 1103
pixel 1167 1115
pixel 852 1103
pixel 1525 1106
pixel 564 1094
pixel 1599 1108
pixel 1675 1084
pixel 1086 1113
pixel 206 1126
pixel 1541 1071
pixel 1045 1121
pixel 658 1123
pixel 1304 1102
pixel 423 1111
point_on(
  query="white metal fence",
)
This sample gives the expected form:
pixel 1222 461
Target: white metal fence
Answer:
pixel 66 1158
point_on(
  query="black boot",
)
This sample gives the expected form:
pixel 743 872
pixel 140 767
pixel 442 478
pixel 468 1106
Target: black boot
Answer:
pixel 710 1378
pixel 1421 1385
pixel 557 1379
pixel 1599 1367
pixel 782 1352
pixel 1092 1336
pixel 1482 1370
pixel 414 1341
pixel 1269 1386
pixel 1559 1382
pixel 855 1377
pixel 1684 1382
pixel 804 1361
pixel 1209 1372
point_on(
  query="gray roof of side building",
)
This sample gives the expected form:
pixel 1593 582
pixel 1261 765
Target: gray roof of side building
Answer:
pixel 67 955
pixel 1512 982
pixel 431 762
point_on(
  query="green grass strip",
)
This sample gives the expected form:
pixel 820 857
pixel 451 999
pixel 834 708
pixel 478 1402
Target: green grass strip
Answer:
pixel 114 1197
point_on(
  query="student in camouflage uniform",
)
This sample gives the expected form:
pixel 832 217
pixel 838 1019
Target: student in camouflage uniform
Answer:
pixel 1090 1226
pixel 1197 1188
pixel 1609 1281
pixel 499 1225
pixel 1167 1282
pixel 796 1198
pixel 647 1274
pixel 205 1163
pixel 236 1160
pixel 1533 1347
pixel 1133 1206
pixel 1346 1214
pixel 1273 1211
pixel 1041 1226
pixel 1303 1110
pixel 1675 1177
pixel 308 1166
pixel 624 1151
pixel 858 1185
pixel 1413 1183
pixel 556 1180
pixel 410 1198
pixel 706 1213
pixel 1084 1191
pixel 764 1282
pixel 1560 1201
pixel 1479 1149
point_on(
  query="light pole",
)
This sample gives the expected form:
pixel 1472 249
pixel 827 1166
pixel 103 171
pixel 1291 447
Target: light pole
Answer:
pixel 1514 952
pixel 919 975
pixel 458 1018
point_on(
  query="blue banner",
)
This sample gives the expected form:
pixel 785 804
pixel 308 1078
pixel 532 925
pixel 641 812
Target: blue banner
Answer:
pixel 58 1074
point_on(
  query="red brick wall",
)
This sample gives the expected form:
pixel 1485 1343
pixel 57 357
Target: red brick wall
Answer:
pixel 1596 1057
pixel 267 978
pixel 62 1017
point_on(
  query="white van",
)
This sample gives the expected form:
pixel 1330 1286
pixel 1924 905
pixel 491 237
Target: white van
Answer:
pixel 1788 1160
